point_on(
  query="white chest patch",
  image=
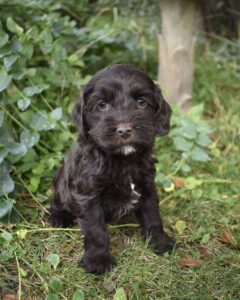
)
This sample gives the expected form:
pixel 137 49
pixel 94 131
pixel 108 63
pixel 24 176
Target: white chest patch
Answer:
pixel 126 150
pixel 127 207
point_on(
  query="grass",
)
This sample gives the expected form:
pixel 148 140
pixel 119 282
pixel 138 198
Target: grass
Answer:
pixel 211 218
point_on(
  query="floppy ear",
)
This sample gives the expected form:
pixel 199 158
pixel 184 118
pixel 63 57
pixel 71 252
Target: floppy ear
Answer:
pixel 77 117
pixel 163 114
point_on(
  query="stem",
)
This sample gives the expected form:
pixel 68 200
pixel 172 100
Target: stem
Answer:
pixel 12 117
pixel 19 278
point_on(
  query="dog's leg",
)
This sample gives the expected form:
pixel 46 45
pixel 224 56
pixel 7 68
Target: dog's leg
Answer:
pixel 59 217
pixel 97 258
pixel 151 223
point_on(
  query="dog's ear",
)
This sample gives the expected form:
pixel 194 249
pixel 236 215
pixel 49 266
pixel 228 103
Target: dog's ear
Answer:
pixel 163 114
pixel 77 117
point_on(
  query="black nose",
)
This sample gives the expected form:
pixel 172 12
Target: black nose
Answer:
pixel 124 130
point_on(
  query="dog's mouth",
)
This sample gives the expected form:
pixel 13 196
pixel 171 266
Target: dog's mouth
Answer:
pixel 125 150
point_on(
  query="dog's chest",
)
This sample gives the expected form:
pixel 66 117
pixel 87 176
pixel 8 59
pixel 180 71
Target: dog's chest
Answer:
pixel 121 197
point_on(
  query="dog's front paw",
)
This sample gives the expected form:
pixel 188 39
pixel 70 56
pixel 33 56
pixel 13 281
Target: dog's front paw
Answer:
pixel 96 264
pixel 164 243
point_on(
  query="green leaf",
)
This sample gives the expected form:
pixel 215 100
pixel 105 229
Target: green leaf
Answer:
pixel 46 36
pixel 3 39
pixel 182 144
pixel 78 295
pixel 204 128
pixel 5 168
pixel 198 154
pixel 17 149
pixel 196 112
pixel 180 226
pixel 186 168
pixel 40 121
pixel 55 285
pixel 6 185
pixel 3 154
pixel 6 206
pixel 192 182
pixel 53 260
pixel 34 183
pixel 29 139
pixel 7 236
pixel 56 114
pixel 52 297
pixel 32 32
pixel 13 26
pixel 21 233
pixel 205 238
pixel 23 104
pixel 36 89
pixel 203 140
pixel 1 117
pixel 4 82
pixel 120 294
pixel 9 61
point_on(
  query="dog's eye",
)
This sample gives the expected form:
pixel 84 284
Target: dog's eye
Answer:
pixel 141 103
pixel 103 106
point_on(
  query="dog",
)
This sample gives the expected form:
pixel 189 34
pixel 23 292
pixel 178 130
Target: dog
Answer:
pixel 111 172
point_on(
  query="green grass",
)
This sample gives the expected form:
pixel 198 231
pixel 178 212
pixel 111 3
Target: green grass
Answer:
pixel 207 211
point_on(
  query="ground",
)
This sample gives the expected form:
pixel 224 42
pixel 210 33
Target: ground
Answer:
pixel 204 220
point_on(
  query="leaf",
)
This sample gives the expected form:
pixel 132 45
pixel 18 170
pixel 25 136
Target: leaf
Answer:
pixel 203 140
pixel 196 112
pixel 6 186
pixel 4 82
pixel 23 104
pixel 189 262
pixel 29 139
pixel 5 168
pixel 53 260
pixel 204 128
pixel 199 154
pixel 23 272
pixel 182 144
pixel 6 206
pixel 192 182
pixel 7 236
pixel 55 285
pixel 36 89
pixel 34 183
pixel 1 117
pixel 180 226
pixel 52 297
pixel 186 168
pixel 17 149
pixel 78 295
pixel 56 114
pixel 205 239
pixel 9 61
pixel 3 154
pixel 3 39
pixel 203 251
pixel 21 233
pixel 13 26
pixel 178 182
pixel 228 238
pixel 120 294
pixel 40 121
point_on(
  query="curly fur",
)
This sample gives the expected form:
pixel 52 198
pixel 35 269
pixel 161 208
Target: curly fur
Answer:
pixel 111 173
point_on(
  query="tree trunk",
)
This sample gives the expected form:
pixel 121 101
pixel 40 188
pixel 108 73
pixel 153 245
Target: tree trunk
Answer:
pixel 176 50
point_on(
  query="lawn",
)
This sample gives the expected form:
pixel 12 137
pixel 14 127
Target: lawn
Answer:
pixel 202 213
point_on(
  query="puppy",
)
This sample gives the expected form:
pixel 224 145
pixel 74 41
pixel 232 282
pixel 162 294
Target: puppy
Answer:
pixel 111 173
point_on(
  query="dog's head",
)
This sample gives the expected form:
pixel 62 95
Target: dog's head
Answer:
pixel 121 110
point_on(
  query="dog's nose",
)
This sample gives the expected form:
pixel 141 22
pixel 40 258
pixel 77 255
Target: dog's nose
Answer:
pixel 124 130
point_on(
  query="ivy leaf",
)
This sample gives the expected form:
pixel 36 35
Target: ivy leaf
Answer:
pixel 13 26
pixel 120 294
pixel 6 206
pixel 29 139
pixel 40 121
pixel 3 39
pixel 6 185
pixel 3 154
pixel 4 82
pixel 7 236
pixel 56 114
pixel 78 295
pixel 53 260
pixel 36 89
pixel 9 61
pixel 203 140
pixel 1 117
pixel 17 149
pixel 182 144
pixel 23 104
pixel 198 154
